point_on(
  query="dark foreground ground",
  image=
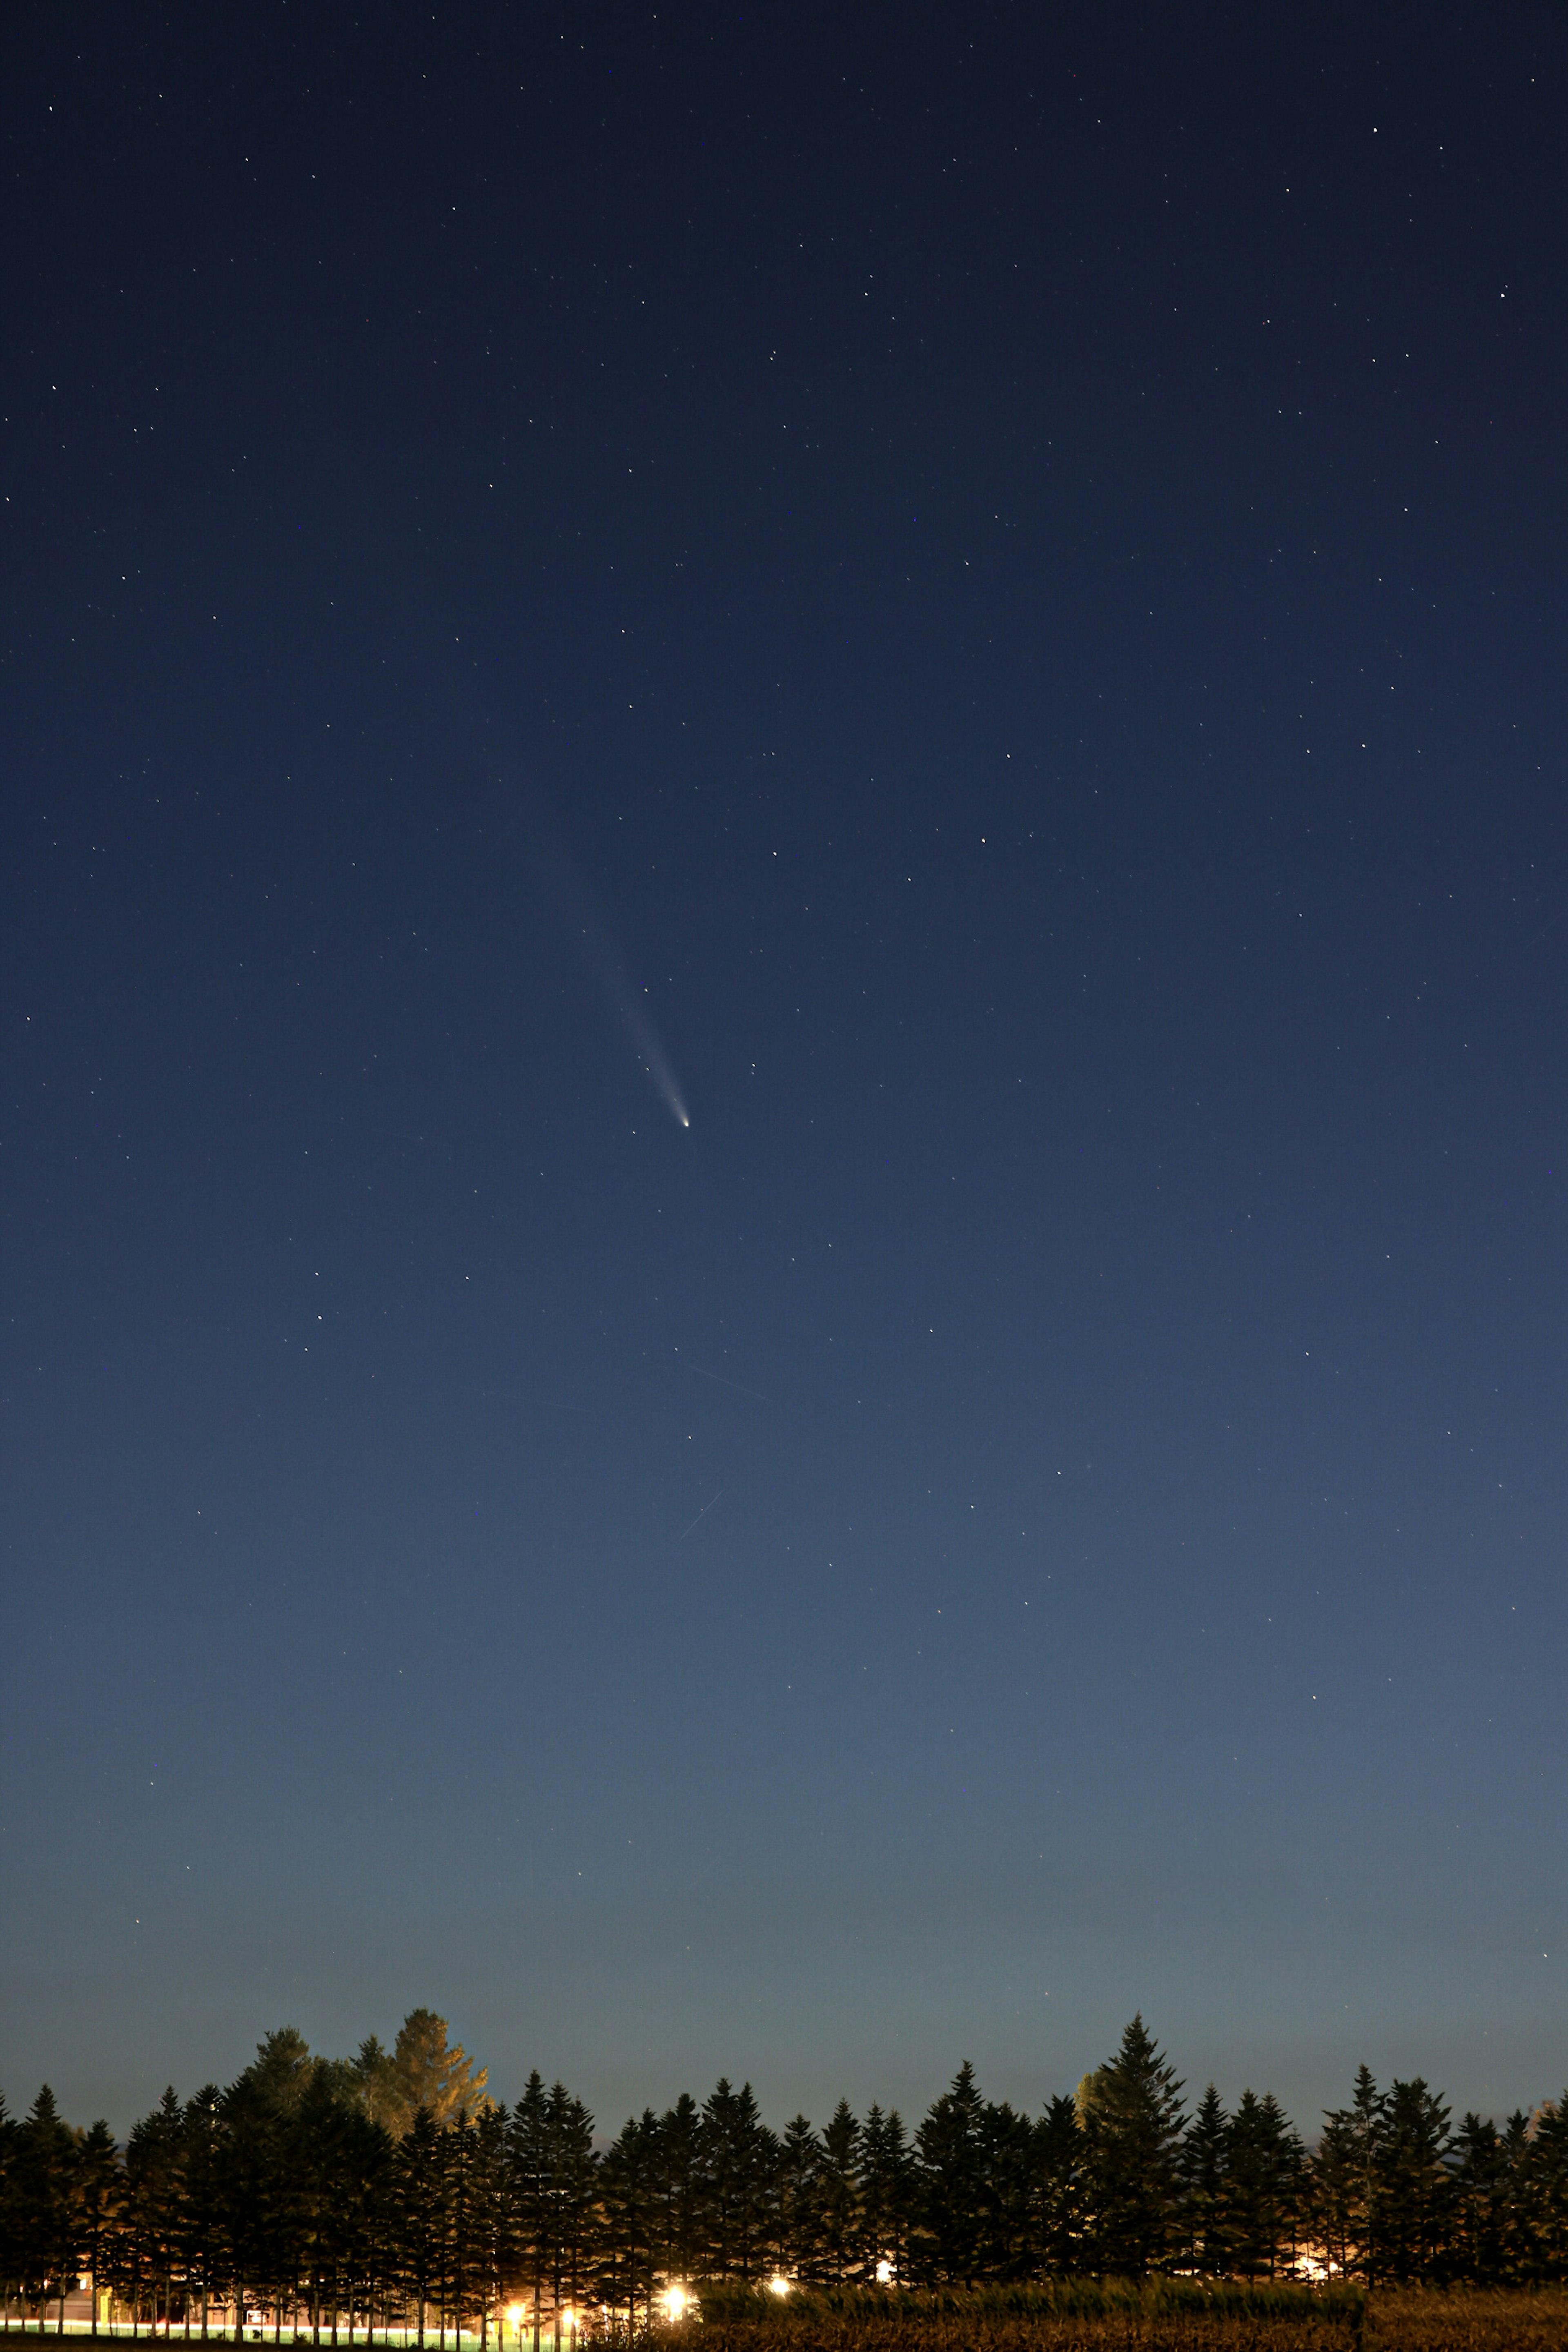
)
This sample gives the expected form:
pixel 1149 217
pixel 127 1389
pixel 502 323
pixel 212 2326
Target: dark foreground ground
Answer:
pixel 1407 2320
pixel 1414 2319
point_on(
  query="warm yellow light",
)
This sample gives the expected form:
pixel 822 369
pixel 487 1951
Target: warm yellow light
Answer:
pixel 884 2273
pixel 516 2312
pixel 569 2321
pixel 674 2300
pixel 779 2285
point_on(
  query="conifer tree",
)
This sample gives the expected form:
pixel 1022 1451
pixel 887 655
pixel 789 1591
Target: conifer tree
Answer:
pixel 1202 2171
pixel 1343 2178
pixel 1414 2183
pixel 837 2200
pixel 314 2145
pixel 201 2244
pixel 491 2256
pixel 248 2190
pixel 43 2154
pixel 628 2191
pixel 154 2180
pixel 281 2070
pixel 573 2184
pixel 528 2168
pixel 1135 2131
pixel 426 2071
pixel 369 2083
pixel 1060 2187
pixel 97 2187
pixel 1264 2164
pixel 794 2212
pixel 682 2217
pixel 1548 2189
pixel 1519 2249
pixel 1004 2235
pixel 420 2215
pixel 948 2160
pixel 740 2158
pixel 1480 2177
pixel 886 2180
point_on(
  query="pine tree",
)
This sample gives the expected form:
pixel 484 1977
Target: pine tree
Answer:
pixel 1060 2187
pixel 1548 2195
pixel 314 2144
pixel 1203 2171
pixel 838 2231
pixel 629 2201
pixel 740 2158
pixel 886 2192
pixel 371 2082
pixel 794 2212
pixel 154 2182
pixel 682 2192
pixel 1414 2184
pixel 9 2241
pixel 528 2169
pixel 573 2176
pixel 1005 2248
pixel 1343 2178
pixel 420 2214
pixel 99 2187
pixel 201 2236
pixel 948 2163
pixel 426 2071
pixel 1264 2168
pixel 1134 2130
pixel 1480 2183
pixel 43 2156
pixel 491 2256
pixel 1519 2246
pixel 372 2255
pixel 281 2070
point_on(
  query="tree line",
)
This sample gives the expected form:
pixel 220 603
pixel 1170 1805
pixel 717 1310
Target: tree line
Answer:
pixel 347 2197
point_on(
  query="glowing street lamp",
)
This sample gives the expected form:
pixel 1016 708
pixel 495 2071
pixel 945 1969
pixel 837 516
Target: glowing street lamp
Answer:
pixel 778 2285
pixel 674 2302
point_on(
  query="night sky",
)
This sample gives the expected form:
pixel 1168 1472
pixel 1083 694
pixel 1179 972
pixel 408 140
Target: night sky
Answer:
pixel 970 602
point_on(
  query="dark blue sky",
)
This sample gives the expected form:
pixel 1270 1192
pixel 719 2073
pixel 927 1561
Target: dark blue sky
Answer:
pixel 994 583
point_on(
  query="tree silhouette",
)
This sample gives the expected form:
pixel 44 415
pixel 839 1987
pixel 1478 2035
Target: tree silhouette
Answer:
pixel 1133 2123
pixel 794 2199
pixel 838 2234
pixel 425 2072
pixel 287 2189
pixel 1414 2191
pixel 1261 2198
pixel 1061 2188
pixel 43 2159
pixel 949 2167
pixel 1205 2150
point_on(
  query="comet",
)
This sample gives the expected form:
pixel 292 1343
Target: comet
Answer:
pixel 604 961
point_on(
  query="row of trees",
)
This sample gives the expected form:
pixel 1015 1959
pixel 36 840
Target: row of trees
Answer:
pixel 390 2189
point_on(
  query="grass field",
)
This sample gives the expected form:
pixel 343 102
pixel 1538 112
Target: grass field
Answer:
pixel 1081 2315
pixel 1166 2315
